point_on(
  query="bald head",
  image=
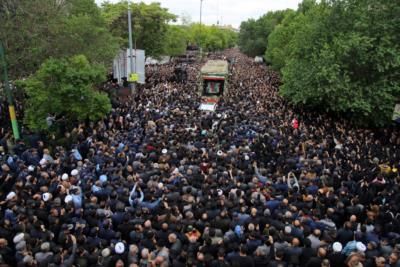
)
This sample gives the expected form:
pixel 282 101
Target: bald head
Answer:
pixel 321 252
pixel 133 249
pixel 147 224
pixel 3 242
pixel 159 260
pixel 317 232
pixel 295 242
pixel 145 253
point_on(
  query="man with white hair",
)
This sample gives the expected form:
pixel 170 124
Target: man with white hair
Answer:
pixel 175 244
pixel 145 257
pixel 133 254
pixel 44 253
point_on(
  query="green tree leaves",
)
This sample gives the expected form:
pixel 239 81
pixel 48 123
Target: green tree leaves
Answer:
pixel 253 35
pixel 154 33
pixel 211 38
pixel 338 56
pixel 279 41
pixel 65 88
pixel 175 40
pixel 34 30
pixel 149 21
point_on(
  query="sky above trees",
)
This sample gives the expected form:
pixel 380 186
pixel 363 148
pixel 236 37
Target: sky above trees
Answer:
pixel 227 12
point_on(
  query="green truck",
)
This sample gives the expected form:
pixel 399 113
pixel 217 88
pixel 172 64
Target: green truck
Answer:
pixel 213 83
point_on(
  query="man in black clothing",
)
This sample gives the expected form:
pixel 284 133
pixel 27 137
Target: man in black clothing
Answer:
pixel 293 253
pixel 220 262
pixel 278 261
pixel 345 234
pixel 260 259
pixel 243 260
pixel 307 253
pixel 316 261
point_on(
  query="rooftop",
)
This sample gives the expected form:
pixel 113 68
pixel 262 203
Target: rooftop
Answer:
pixel 215 67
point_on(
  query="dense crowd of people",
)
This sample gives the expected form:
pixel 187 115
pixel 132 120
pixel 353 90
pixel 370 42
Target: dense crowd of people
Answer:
pixel 160 183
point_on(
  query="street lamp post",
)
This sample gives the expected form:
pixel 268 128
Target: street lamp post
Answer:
pixel 11 108
pixel 132 84
pixel 201 10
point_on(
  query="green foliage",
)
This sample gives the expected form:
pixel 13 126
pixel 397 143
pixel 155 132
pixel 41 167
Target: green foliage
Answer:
pixel 87 34
pixel 279 41
pixel 152 31
pixel 175 40
pixel 149 22
pixel 27 46
pixel 342 57
pixel 34 30
pixel 339 56
pixel 253 35
pixel 211 38
pixel 64 88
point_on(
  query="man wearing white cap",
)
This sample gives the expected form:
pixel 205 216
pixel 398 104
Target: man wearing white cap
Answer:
pixel 336 258
pixel 360 247
pixel 119 248
pixel 46 196
pixel 18 238
pixel 64 177
pixel 11 196
pixel 43 162
pixel 74 172
pixel 337 247
pixel 353 246
pixel 68 199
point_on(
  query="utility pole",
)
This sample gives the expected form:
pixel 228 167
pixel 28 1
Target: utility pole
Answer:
pixel 11 108
pixel 132 70
pixel 201 11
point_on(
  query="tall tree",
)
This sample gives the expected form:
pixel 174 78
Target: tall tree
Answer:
pixel 34 30
pixel 27 30
pixel 253 35
pixel 64 89
pixel 85 31
pixel 150 24
pixel 279 41
pixel 175 40
pixel 346 60
pixel 211 38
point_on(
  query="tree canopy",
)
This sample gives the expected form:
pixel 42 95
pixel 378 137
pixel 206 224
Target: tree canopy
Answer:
pixel 345 59
pixel 42 38
pixel 211 38
pixel 176 40
pixel 154 33
pixel 34 30
pixel 149 22
pixel 253 35
pixel 338 56
pixel 64 89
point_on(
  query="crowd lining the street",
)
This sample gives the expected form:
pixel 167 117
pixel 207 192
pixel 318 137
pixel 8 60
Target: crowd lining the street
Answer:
pixel 160 183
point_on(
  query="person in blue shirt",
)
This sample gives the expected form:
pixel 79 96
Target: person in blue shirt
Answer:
pixel 138 202
pixel 263 179
pixel 133 196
